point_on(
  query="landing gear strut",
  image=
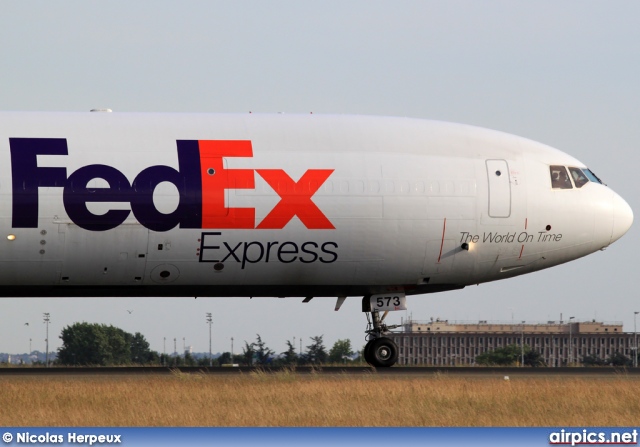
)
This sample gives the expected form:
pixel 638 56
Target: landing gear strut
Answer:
pixel 380 351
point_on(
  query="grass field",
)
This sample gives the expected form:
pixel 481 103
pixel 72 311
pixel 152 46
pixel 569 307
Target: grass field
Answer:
pixel 290 399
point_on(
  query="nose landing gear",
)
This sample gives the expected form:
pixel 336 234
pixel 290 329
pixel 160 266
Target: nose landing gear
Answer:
pixel 380 351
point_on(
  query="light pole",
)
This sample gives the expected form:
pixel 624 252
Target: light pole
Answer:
pixel 635 341
pixel 570 359
pixel 46 321
pixel 522 346
pixel 209 322
pixel 232 350
pixel 164 351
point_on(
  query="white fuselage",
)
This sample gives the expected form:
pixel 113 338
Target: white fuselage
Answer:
pixel 106 204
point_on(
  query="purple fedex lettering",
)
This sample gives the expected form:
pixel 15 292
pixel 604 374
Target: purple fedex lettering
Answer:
pixel 76 195
pixel 187 181
pixel 27 176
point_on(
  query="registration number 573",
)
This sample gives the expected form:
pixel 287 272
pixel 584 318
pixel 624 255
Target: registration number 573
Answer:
pixel 388 302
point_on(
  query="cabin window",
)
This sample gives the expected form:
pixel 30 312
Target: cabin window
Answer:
pixel 560 178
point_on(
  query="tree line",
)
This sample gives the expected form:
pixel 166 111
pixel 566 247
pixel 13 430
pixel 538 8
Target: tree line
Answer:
pixel 92 344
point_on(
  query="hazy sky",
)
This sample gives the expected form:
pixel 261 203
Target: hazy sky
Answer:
pixel 563 73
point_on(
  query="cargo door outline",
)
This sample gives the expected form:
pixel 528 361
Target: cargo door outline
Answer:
pixel 499 184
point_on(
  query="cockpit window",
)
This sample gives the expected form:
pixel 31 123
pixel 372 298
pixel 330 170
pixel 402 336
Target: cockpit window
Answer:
pixel 591 176
pixel 579 178
pixel 560 178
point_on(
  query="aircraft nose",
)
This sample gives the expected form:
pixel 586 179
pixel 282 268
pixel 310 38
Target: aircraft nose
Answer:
pixel 622 218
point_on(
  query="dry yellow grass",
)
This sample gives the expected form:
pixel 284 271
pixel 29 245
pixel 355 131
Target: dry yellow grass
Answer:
pixel 289 399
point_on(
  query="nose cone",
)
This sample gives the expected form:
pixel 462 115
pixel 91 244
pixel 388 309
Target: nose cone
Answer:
pixel 622 218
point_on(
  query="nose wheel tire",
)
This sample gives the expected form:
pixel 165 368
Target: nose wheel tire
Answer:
pixel 381 352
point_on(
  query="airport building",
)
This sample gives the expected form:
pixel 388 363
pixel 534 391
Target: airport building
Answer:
pixel 561 343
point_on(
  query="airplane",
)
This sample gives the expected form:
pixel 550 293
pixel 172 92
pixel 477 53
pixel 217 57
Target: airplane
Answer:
pixel 276 205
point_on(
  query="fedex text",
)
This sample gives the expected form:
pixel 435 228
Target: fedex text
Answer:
pixel 202 181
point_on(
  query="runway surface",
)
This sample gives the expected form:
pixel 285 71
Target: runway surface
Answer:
pixel 354 370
